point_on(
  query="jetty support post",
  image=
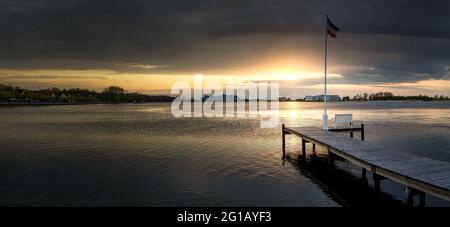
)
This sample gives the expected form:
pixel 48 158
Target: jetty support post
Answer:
pixel 409 197
pixel 283 128
pixel 362 132
pixel 331 159
pixel 303 148
pixel 351 132
pixel 364 171
pixel 377 182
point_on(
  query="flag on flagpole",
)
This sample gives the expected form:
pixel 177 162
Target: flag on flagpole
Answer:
pixel 331 28
pixel 331 31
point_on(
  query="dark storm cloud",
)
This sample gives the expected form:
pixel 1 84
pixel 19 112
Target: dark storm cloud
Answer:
pixel 381 40
pixel 46 77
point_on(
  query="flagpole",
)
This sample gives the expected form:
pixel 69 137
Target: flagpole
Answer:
pixel 325 115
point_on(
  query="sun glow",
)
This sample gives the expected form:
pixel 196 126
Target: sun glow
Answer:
pixel 294 114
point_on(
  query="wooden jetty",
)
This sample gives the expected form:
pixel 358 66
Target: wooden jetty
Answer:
pixel 420 175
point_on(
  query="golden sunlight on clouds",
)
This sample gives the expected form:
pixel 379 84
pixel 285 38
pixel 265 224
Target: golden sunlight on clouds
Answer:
pixel 295 78
pixel 90 79
pixel 289 68
pixel 275 76
pixel 137 65
pixel 280 68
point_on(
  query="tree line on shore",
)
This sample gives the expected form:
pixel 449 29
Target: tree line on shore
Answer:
pixel 380 96
pixel 111 94
pixel 114 94
pixel 388 96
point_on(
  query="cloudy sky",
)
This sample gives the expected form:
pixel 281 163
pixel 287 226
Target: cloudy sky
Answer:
pixel 147 45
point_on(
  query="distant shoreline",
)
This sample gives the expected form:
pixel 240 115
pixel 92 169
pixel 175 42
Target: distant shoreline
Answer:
pixel 412 100
pixel 16 104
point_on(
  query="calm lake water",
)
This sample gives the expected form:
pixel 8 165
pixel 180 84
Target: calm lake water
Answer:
pixel 139 155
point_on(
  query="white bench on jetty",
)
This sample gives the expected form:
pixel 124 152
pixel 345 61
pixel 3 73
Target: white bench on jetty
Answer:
pixel 343 119
pixel 420 175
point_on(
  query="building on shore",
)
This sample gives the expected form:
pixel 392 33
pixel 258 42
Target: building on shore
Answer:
pixel 319 98
pixel 284 99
